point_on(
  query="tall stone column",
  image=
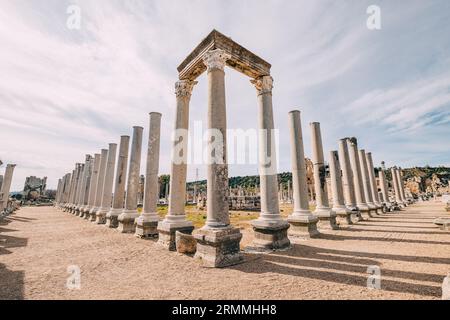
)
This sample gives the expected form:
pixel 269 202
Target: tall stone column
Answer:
pixel 65 190
pixel 357 177
pixel 80 189
pixel 327 217
pixel 395 184
pixel 342 212
pixel 99 187
pixel 76 188
pixel 92 186
pixel 69 192
pixel 217 242
pixel 107 185
pixel 119 184
pixel 401 187
pixel 1 182
pixel 85 186
pixel 57 194
pixel 147 223
pixel 373 183
pixel 366 183
pixel 347 180
pixel 384 190
pixel 270 230
pixel 303 222
pixel 6 186
pixel 175 219
pixel 130 213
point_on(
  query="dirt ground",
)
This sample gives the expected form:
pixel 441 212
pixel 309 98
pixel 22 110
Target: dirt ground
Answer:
pixel 37 245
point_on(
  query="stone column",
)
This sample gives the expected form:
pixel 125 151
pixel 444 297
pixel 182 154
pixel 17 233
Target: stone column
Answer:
pixel 303 222
pixel 130 213
pixel 80 189
pixel 1 182
pixel 107 185
pixel 327 217
pixel 342 212
pixel 147 223
pixel 373 183
pixel 367 187
pixel 401 187
pixel 384 190
pixel 175 219
pixel 67 192
pixel 119 184
pixel 357 177
pixel 270 229
pixel 85 186
pixel 99 187
pixel 217 242
pixel 347 180
pixel 395 184
pixel 70 190
pixel 92 186
pixel 76 188
pixel 6 186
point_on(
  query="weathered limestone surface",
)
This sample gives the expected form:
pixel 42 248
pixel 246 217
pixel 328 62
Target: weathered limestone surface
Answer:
pixel 373 183
pixel 86 184
pixel 175 219
pixel 119 184
pixel 395 183
pixel 107 185
pixel 130 213
pixel 217 242
pixel 343 214
pixel 99 187
pixel 147 223
pixel 327 217
pixel 185 243
pixel 303 222
pixel 357 177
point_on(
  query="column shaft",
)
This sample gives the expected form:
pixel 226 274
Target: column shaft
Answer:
pixel 105 205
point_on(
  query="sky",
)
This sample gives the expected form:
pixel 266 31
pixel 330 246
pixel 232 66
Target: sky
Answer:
pixel 68 92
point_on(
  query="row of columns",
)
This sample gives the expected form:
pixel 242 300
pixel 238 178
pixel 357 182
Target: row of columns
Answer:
pixel 88 190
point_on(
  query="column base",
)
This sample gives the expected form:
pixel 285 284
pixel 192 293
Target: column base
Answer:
pixel 93 214
pixel 100 216
pixel 303 226
pixel 77 211
pixel 372 210
pixel 112 218
pixel 270 235
pixel 126 221
pixel 343 216
pixel 147 226
pixel 167 229
pixel 86 212
pixel 365 211
pixel 327 219
pixel 443 223
pixel 82 212
pixel 218 248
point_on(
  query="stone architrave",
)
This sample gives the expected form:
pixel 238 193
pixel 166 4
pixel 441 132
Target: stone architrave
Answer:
pixel 175 219
pixel 99 187
pixel 303 222
pixel 342 212
pixel 107 185
pixel 129 214
pixel 119 184
pixel 147 223
pixel 327 217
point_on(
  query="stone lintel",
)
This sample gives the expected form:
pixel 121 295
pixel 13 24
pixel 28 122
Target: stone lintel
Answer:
pixel 241 60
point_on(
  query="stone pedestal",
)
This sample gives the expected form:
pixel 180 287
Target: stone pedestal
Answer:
pixel 218 248
pixel 126 221
pixel 112 218
pixel 167 232
pixel 303 225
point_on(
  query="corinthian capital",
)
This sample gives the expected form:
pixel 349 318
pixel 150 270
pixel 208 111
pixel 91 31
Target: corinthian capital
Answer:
pixel 263 84
pixel 183 88
pixel 215 59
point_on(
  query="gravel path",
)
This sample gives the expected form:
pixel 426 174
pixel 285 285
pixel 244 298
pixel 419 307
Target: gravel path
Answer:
pixel 38 244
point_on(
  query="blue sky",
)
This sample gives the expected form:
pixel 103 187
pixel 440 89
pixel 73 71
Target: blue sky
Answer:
pixel 65 93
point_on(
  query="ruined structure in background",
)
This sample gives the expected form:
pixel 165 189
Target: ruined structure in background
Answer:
pixel 35 192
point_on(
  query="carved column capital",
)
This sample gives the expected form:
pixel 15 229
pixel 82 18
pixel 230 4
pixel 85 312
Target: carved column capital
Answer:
pixel 183 88
pixel 215 59
pixel 263 84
